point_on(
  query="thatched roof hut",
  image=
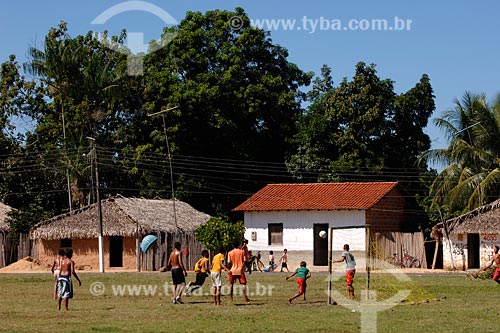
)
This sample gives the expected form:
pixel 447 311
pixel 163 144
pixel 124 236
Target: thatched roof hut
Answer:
pixel 482 220
pixel 4 210
pixel 122 217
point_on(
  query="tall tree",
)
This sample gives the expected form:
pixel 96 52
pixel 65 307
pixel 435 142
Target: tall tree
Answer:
pixel 237 95
pixel 361 128
pixel 81 76
pixel 472 173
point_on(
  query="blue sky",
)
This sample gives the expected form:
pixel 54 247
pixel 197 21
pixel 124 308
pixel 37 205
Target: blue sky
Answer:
pixel 456 43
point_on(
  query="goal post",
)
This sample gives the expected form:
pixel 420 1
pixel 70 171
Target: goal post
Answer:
pixel 330 255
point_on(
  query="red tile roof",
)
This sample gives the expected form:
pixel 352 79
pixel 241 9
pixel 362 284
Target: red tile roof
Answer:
pixel 317 196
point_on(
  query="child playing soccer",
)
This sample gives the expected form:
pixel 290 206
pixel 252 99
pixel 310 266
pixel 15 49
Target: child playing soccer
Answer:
pixel 202 271
pixel 215 275
pixel 302 275
pixel 350 270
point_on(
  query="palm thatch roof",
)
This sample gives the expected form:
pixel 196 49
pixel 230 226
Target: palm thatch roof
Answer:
pixel 122 217
pixel 4 209
pixel 483 220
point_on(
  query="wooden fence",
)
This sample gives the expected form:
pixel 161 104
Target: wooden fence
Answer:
pixel 386 244
pixel 10 253
pixel 156 257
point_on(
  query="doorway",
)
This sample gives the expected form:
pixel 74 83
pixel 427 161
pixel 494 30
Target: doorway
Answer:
pixel 473 260
pixel 115 251
pixel 320 245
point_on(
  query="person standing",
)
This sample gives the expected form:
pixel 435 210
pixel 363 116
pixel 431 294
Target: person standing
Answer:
pixel 64 283
pixel 350 270
pixel 56 268
pixel 236 260
pixel 179 273
pixel 272 266
pixel 248 262
pixel 495 260
pixel 216 275
pixel 284 261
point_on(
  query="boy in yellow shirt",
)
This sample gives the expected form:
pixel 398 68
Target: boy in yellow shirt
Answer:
pixel 216 269
pixel 201 270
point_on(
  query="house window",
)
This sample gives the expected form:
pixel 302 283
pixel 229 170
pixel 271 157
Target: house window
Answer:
pixel 66 242
pixel 275 236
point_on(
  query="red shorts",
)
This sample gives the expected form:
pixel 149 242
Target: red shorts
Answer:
pixel 496 275
pixel 302 285
pixel 349 276
pixel 234 278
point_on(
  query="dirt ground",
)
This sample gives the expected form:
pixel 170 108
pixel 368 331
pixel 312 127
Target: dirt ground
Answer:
pixel 25 265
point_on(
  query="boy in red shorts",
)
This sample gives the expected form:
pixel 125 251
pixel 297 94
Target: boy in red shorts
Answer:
pixel 302 275
pixel 236 259
pixel 496 261
pixel 350 270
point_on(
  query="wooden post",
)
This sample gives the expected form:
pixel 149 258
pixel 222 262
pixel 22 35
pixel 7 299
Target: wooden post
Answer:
pixel 330 258
pixel 436 250
pixel 368 258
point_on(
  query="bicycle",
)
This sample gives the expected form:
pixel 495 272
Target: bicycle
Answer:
pixel 406 261
pixel 409 261
pixel 395 261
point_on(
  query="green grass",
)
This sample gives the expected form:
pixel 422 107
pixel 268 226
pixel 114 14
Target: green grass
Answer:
pixel 456 304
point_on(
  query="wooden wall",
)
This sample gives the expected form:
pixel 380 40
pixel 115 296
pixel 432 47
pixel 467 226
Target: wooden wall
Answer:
pixel 385 244
pixel 156 257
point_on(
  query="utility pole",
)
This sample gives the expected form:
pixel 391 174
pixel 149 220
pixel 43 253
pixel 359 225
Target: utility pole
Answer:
pixel 66 153
pixel 162 112
pixel 99 209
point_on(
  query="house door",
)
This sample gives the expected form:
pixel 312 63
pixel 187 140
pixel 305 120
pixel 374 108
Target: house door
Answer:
pixel 115 251
pixel 320 245
pixel 473 260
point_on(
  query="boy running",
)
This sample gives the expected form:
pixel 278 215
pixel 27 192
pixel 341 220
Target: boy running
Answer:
pixel 302 275
pixel 496 261
pixel 201 270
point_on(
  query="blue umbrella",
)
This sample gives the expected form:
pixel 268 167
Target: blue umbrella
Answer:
pixel 147 241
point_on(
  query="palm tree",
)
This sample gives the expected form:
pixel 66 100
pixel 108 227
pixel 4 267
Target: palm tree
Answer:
pixel 471 176
pixel 82 75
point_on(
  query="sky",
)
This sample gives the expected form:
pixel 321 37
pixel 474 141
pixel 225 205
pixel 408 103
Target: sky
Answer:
pixel 456 43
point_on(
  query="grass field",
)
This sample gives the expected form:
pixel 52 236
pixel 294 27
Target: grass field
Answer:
pixel 437 303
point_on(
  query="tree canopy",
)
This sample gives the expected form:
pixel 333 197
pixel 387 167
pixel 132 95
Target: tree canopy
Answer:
pixel 472 159
pixel 361 128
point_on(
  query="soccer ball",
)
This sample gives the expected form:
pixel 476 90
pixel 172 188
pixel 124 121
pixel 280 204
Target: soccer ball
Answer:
pixel 322 234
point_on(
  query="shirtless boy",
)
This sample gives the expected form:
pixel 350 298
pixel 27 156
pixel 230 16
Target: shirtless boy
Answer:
pixel 64 283
pixel 496 261
pixel 179 273
pixel 56 269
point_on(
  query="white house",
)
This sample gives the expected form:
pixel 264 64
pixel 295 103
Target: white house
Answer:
pixel 292 215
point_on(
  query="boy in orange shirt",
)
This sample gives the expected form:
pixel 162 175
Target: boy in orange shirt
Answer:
pixel 237 259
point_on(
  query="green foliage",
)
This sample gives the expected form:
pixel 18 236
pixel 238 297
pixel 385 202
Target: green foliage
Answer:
pixel 361 127
pixel 20 221
pixel 220 233
pixel 472 159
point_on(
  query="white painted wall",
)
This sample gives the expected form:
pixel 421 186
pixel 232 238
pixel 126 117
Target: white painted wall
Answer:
pixel 298 229
pixel 456 247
